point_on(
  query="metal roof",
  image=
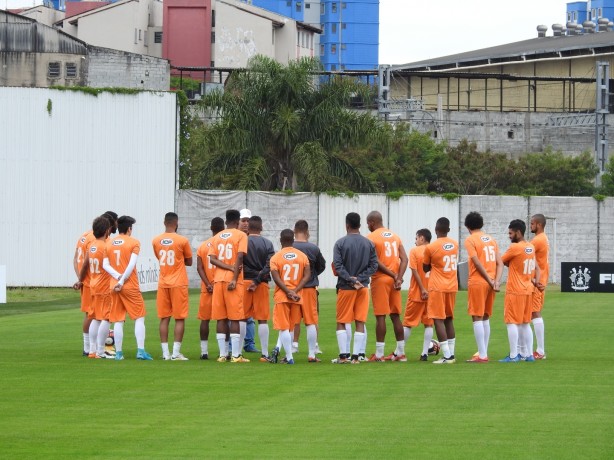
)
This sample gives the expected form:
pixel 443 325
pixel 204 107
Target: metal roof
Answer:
pixel 527 50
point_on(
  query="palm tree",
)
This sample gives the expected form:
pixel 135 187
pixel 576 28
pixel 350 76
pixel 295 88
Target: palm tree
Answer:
pixel 280 127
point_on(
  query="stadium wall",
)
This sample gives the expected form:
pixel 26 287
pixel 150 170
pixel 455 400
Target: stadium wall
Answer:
pixel 67 157
pixel 579 228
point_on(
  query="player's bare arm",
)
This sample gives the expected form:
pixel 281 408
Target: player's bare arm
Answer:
pixel 188 261
pixel 482 271
pixel 200 268
pixel 236 270
pixel 498 273
pixel 402 267
pixel 219 264
pixel 424 294
pixel 281 285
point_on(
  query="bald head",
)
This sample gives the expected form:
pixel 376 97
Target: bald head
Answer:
pixel 374 220
pixel 538 223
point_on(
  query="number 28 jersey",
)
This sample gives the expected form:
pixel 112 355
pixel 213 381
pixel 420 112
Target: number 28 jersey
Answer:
pixel 442 256
pixel 171 250
pixel 226 246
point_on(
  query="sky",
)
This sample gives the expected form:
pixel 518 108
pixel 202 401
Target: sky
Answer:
pixel 415 30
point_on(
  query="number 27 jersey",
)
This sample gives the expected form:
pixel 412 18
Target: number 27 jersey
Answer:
pixel 442 256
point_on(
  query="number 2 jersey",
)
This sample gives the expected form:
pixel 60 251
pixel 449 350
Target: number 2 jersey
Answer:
pixel 171 250
pixel 442 256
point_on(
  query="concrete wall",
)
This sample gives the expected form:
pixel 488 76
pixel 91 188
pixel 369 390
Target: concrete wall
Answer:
pixel 32 69
pixel 112 68
pixel 579 229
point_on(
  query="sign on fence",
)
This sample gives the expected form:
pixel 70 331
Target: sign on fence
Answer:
pixel 587 277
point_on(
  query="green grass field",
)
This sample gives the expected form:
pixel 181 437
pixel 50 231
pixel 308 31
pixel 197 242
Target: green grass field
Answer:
pixel 56 404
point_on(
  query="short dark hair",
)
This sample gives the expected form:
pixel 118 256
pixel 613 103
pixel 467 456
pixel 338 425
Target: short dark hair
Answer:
pixel 255 223
pixel 518 225
pixel 474 220
pixel 443 225
pixel 232 215
pixel 217 224
pixel 301 226
pixel 124 223
pixel 540 218
pixel 100 226
pixel 352 220
pixel 286 236
pixel 170 218
pixel 112 219
pixel 425 233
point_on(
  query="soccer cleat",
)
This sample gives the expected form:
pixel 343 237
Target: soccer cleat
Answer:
pixel 318 351
pixel 340 360
pixel 424 357
pixel 119 355
pixel 239 359
pixel 222 359
pixel 179 357
pixel 355 360
pixel 507 359
pixel 93 356
pixel 288 361
pixel 376 359
pixel 537 355
pixel 86 354
pixel 274 355
pixel 166 357
pixel 362 357
pixel 529 359
pixel 390 357
pixel 264 359
pixel 444 360
pixel 204 356
pixel 476 354
pixel 400 358
pixel 314 360
pixel 143 355
pixel 477 359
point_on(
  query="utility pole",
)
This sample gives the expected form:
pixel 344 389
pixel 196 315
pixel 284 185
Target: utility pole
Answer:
pixel 601 123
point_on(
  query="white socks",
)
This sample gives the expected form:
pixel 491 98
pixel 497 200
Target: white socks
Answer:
pixel 359 338
pixel 452 345
pixel 445 349
pixel 348 330
pixel 176 348
pixel 165 352
pixel 242 332
pixel 263 334
pixel 94 325
pixel 527 339
pixel 312 337
pixel 478 332
pixel 139 332
pixel 221 343
pixel 103 333
pixel 512 337
pixel 428 336
pixel 86 342
pixel 486 324
pixel 118 335
pixel 204 347
pixel 286 341
pixel 538 325
pixel 342 341
pixel 406 333
pixel 400 350
pixel 235 340
pixel 379 349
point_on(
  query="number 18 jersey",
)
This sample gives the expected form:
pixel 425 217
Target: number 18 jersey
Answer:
pixel 442 256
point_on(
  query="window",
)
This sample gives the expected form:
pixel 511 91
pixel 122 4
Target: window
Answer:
pixel 568 17
pixel 136 35
pixel 343 46
pixel 333 67
pixel 307 5
pixel 321 50
pixel 71 70
pixel 212 18
pixel 333 28
pixel 212 63
pixel 212 36
pixel 288 3
pixel 333 7
pixel 598 12
pixel 333 48
pixel 510 134
pixel 342 67
pixel 344 5
pixel 54 70
pixel 299 7
pixel 574 16
pixel 344 26
pixel 157 37
pixel 322 9
pixel 140 35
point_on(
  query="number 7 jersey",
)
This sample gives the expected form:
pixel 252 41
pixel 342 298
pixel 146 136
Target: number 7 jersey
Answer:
pixel 442 256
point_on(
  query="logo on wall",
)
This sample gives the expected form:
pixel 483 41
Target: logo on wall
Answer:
pixel 580 278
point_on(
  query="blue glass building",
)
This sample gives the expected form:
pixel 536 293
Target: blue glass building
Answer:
pixel 594 10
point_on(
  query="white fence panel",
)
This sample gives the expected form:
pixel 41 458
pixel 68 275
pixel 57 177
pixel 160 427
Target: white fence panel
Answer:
pixel 67 157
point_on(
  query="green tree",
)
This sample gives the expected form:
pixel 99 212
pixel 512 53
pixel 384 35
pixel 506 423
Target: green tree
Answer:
pixel 607 180
pixel 278 127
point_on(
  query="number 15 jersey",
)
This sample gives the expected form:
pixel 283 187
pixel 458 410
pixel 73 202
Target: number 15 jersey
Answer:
pixel 442 256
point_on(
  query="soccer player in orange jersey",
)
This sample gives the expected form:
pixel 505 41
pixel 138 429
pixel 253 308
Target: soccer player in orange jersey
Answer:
pixel 120 262
pixel 290 271
pixel 386 286
pixel 206 270
pixel 485 270
pixel 417 296
pixel 84 286
pixel 542 252
pixel 441 259
pixel 174 253
pixel 523 277
pixel 226 253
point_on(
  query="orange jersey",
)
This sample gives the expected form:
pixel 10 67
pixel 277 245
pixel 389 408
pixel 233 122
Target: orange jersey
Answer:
pixel 203 253
pixel 290 263
pixel 82 243
pixel 442 256
pixel 485 248
pixel 226 246
pixel 520 259
pixel 416 258
pixel 100 280
pixel 171 250
pixel 387 245
pixel 542 252
pixel 119 251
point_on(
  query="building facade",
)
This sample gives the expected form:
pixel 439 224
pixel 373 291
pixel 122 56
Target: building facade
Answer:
pixel 579 12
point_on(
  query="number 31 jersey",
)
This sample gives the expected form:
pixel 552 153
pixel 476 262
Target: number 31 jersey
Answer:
pixel 387 245
pixel 442 256
pixel 171 250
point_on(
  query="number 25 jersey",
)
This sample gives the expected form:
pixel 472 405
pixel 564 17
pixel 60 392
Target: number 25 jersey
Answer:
pixel 442 256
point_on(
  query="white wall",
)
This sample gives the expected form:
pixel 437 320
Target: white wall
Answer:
pixel 60 170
